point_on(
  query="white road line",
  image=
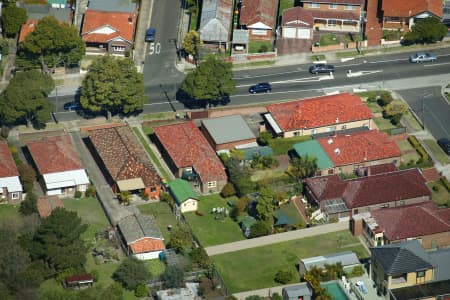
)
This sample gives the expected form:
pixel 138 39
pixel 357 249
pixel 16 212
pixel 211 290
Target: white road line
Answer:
pixel 157 103
pixel 433 65
pixel 389 60
pixel 265 75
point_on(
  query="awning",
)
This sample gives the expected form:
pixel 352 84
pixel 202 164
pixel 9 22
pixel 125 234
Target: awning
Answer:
pixel 273 123
pixel 131 184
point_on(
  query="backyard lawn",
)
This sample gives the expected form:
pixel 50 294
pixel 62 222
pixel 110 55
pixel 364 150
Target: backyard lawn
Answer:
pixel 163 215
pixel 257 266
pixel 283 145
pixel 442 196
pixel 209 230
pixel 437 151
pixel 9 213
pixel 259 46
pixel 285 4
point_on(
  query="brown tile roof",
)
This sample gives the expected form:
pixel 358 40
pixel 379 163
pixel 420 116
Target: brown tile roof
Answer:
pixel 370 190
pixel 364 146
pixel 319 112
pixel 45 205
pixel 79 277
pixel 147 245
pixel 254 11
pixel 118 22
pixel 339 14
pixel 355 2
pixel 380 169
pixel 187 147
pixel 411 221
pixel 123 155
pixel 55 154
pixel 293 17
pixel 28 27
pixel 7 166
pixel 403 8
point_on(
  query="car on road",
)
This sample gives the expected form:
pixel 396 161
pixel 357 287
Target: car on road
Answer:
pixel 263 87
pixel 72 106
pixel 150 35
pixel 422 57
pixel 445 145
pixel 321 68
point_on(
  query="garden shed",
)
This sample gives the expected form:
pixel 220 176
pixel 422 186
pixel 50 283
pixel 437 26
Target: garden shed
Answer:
pixel 184 195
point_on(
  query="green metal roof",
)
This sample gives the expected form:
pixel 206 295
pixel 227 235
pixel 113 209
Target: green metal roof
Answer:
pixel 261 151
pixel 283 219
pixel 313 148
pixel 247 221
pixel 181 190
pixel 57 1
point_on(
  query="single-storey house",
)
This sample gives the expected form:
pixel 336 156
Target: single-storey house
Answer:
pixel 215 21
pixel 10 186
pixel 189 155
pixel 46 204
pixel 321 115
pixel 297 23
pixel 183 194
pixel 141 236
pixel 340 198
pixel 124 161
pixel 79 281
pixel 258 16
pixel 312 148
pixel 59 166
pixel 295 292
pixel 347 259
pixel 228 132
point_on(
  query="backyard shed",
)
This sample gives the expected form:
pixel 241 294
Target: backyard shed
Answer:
pixel 348 260
pixel 183 194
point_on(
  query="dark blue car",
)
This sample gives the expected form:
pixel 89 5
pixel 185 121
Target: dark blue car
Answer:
pixel 72 106
pixel 263 87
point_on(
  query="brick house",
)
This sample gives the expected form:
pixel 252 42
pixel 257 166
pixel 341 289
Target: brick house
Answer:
pixel 215 22
pixel 258 16
pixel 321 115
pixel 190 156
pixel 124 162
pixel 297 23
pixel 10 186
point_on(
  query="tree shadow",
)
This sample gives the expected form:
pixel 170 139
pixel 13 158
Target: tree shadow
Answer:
pixel 192 103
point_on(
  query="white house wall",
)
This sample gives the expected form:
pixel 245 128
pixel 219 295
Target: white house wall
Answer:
pixel 148 255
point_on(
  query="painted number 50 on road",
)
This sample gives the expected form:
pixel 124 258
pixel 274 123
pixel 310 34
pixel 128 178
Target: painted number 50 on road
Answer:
pixel 155 48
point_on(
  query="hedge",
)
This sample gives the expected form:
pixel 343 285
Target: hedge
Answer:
pixel 445 183
pixel 415 143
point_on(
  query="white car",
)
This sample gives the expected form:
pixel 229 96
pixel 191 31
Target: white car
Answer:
pixel 422 57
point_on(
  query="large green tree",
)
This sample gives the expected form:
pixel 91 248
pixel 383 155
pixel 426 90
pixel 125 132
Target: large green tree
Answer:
pixel 12 18
pixel 52 44
pixel 305 166
pixel 25 99
pixel 192 43
pixel 428 30
pixel 211 81
pixel 131 273
pixel 113 85
pixel 173 277
pixel 266 206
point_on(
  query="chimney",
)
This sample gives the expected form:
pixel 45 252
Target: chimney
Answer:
pixel 130 19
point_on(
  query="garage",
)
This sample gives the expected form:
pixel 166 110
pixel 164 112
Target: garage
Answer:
pixel 304 33
pixel 289 32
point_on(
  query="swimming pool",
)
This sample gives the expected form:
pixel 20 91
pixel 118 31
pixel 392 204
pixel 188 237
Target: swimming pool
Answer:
pixel 335 291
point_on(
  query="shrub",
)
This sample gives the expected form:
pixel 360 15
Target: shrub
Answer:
pixel 29 205
pixel 260 228
pixel 413 140
pixel 445 183
pixel 95 275
pixel 357 271
pixel 264 138
pixel 276 296
pixel 28 176
pixel 141 291
pixel 131 273
pixel 283 276
pixel 228 190
pixel 385 98
pixel 263 48
pixel 436 187
pixel 90 191
pixel 78 195
pixel 253 297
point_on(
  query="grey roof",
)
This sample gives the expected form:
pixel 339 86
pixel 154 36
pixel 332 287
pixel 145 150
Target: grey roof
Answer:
pixel 423 291
pixel 240 36
pixel 402 258
pixel 215 21
pixel 262 151
pixel 228 129
pixel 113 5
pixel 333 206
pixel 301 289
pixel 139 226
pixel 39 11
pixel 441 259
pixel 346 258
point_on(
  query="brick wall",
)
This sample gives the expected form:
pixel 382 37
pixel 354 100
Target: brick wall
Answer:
pixel 339 46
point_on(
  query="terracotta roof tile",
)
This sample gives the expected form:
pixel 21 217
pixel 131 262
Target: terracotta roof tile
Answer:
pixel 402 8
pixel 380 169
pixel 147 245
pixel 297 16
pixel 356 2
pixel 45 205
pixel 187 147
pixel 123 156
pixel 359 147
pixel 326 187
pixel 118 23
pixel 28 27
pixel 319 112
pixel 55 154
pixel 79 277
pixel 7 165
pixel 254 11
pixel 326 14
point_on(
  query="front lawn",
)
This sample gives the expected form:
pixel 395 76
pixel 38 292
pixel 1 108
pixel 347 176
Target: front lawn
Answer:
pixel 383 124
pixel 259 47
pixel 437 151
pixel 284 145
pixel 257 266
pixel 328 40
pixel 411 121
pixel 211 229
pixel 441 196
pixel 163 215
pixel 374 107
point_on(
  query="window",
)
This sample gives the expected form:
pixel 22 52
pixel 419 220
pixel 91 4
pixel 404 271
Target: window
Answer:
pixel 344 126
pixel 153 189
pixel 15 195
pixel 332 22
pixel 421 274
pixel 333 6
pixel 118 48
pixel 212 184
pixel 350 7
pixel 313 131
pixel 314 5
pixel 296 133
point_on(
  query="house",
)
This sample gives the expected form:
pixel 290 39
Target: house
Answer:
pixel 189 156
pixel 215 22
pixel 425 222
pixel 126 6
pixel 59 166
pixel 141 236
pixel 258 17
pixel 108 32
pixel 297 23
pixel 190 292
pixel 336 15
pixel 10 186
pixel 183 194
pixel 321 115
pixel 79 281
pixel 338 198
pixel 347 259
pixel 228 132
pixel 295 292
pixel 46 204
pixel 124 162
pixel 312 148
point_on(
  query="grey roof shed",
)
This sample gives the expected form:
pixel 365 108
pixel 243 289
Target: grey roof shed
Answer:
pixel 215 21
pixel 228 129
pixel 139 226
pixel 113 5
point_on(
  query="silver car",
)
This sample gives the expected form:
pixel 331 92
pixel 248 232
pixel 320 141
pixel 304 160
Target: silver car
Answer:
pixel 421 57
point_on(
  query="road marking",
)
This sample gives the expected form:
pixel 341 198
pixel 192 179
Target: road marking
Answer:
pixel 433 65
pixel 305 79
pixel 265 75
pixel 389 60
pixel 362 73
pixel 349 65
pixel 157 103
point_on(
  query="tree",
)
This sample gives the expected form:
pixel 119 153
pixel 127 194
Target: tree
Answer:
pixel 124 197
pixel 260 228
pixel 113 85
pixel 200 257
pixel 53 44
pixel 283 276
pixel 180 238
pixel 30 104
pixel 12 18
pixel 173 277
pixel 266 206
pixel 131 273
pixel 28 176
pixel 428 30
pixel 192 43
pixel 211 81
pixel 29 205
pixel 228 190
pixel 141 290
pixel 305 166
pixel 395 111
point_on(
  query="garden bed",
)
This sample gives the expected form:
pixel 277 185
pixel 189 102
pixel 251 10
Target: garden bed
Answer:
pixel 284 145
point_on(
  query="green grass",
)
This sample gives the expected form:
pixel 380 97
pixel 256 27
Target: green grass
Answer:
pixel 285 4
pixel 263 174
pixel 283 145
pixel 257 266
pixel 10 214
pixel 328 39
pixel 259 46
pixel 317 57
pixel 412 121
pixel 89 210
pixel 437 151
pixel 374 107
pixel 383 123
pixel 155 266
pixel 158 116
pixel 163 216
pixel 404 145
pixel 442 196
pixel 209 230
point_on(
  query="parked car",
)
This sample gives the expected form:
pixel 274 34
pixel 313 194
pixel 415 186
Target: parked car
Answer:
pixel 150 35
pixel 445 145
pixel 321 68
pixel 263 87
pixel 72 106
pixel 422 57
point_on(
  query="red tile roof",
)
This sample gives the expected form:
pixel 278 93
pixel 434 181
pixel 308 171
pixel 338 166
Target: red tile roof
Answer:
pixel 364 146
pixel 28 27
pixel 117 22
pixel 411 221
pixel 78 278
pixel 355 2
pixel 55 154
pixel 7 166
pixel 45 205
pixel 147 245
pixel 370 190
pixel 319 112
pixel 187 147
pixel 403 8
pixel 254 11
pixel 339 14
pixel 293 17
